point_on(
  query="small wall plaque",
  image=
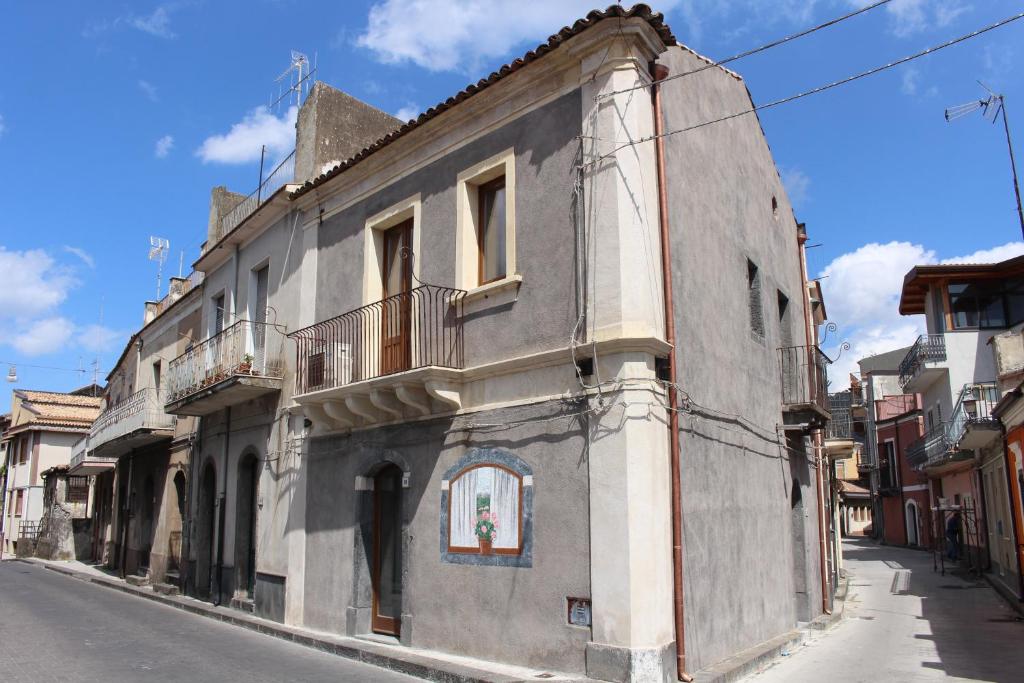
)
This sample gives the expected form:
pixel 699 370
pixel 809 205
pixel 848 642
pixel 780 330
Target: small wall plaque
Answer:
pixel 579 611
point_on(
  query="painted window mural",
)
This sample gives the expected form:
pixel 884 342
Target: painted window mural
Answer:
pixel 486 510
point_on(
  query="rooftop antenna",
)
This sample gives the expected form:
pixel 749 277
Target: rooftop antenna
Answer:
pixel 991 107
pixel 181 263
pixel 158 248
pixel 297 76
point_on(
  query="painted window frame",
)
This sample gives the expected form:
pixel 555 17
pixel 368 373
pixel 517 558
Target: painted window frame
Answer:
pixel 492 457
pixel 468 550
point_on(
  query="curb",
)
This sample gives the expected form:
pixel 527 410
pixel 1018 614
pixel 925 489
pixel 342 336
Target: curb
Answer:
pixel 382 656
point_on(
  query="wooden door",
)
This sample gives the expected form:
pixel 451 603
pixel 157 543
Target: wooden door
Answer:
pixel 387 552
pixel 396 313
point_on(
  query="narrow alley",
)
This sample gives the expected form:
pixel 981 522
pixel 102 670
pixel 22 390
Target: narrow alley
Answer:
pixel 906 622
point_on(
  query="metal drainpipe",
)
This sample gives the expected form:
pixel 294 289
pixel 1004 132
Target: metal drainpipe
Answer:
pixel 1013 511
pixel 660 72
pixel 818 446
pixel 221 513
pixel 126 514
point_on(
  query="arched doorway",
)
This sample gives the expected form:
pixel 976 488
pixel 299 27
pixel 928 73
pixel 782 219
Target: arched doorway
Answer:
pixel 387 551
pixel 205 514
pixel 146 523
pixel 245 525
pixel 912 524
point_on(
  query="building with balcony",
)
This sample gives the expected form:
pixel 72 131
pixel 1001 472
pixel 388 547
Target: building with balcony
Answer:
pixel 137 453
pixel 44 427
pixel 844 447
pixel 436 375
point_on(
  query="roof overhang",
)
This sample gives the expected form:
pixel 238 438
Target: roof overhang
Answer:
pixel 920 278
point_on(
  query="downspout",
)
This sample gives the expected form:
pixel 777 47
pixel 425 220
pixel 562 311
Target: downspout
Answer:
pixel 221 512
pixel 801 239
pixel 1013 512
pixel 659 72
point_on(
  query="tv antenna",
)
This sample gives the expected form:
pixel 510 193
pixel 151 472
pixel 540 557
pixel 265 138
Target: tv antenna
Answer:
pixel 991 107
pixel 297 76
pixel 158 248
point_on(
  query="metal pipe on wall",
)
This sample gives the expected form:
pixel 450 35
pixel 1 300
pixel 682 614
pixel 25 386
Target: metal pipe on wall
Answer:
pixel 660 72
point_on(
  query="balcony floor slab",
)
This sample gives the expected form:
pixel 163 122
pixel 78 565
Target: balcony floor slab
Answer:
pixel 228 392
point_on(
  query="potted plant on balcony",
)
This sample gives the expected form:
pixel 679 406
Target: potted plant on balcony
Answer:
pixel 245 367
pixel 486 531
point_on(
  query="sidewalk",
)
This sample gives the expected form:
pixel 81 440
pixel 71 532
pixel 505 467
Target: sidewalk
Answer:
pixel 906 622
pixel 429 665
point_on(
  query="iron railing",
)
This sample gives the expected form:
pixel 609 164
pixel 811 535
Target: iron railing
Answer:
pixel 178 289
pixel 894 406
pixel 933 446
pixel 973 407
pixel 141 410
pixel 281 175
pixel 246 348
pixel 804 375
pixel 28 530
pixel 415 329
pixel 929 348
pixel 840 426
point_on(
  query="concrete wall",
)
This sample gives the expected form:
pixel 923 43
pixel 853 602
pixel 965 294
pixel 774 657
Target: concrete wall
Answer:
pixel 502 613
pixel 750 505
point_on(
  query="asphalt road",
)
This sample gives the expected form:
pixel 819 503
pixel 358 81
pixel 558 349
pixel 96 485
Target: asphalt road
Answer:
pixel 906 622
pixel 55 628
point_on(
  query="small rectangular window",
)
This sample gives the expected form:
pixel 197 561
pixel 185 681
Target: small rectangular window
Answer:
pixel 218 313
pixel 754 299
pixel 785 327
pixel 491 230
pixel 156 375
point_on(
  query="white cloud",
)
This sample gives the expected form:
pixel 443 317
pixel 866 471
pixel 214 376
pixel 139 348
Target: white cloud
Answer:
pixel 797 183
pixel 910 78
pixel 44 336
pixel 163 146
pixel 910 17
pixel 993 255
pixel 33 283
pixel 408 112
pixel 85 256
pixel 99 339
pixel 862 292
pixel 158 23
pixel 149 90
pixel 242 143
pixel 460 35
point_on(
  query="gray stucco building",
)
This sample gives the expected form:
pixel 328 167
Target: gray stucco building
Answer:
pixel 435 386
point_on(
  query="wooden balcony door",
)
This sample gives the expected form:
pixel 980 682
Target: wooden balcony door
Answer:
pixel 396 313
pixel 387 552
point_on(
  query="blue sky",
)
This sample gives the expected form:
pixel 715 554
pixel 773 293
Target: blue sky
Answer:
pixel 116 119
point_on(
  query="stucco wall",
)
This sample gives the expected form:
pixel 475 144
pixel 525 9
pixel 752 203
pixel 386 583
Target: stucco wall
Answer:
pixel 740 518
pixel 501 613
pixel 543 316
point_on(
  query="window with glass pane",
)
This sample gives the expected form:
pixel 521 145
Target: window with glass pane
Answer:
pixel 986 304
pixel 491 230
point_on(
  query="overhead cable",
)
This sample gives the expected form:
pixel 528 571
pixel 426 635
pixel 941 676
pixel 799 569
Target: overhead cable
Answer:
pixel 754 51
pixel 819 89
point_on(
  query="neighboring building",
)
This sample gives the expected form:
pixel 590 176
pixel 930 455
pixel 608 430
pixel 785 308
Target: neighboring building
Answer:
pixel 64 532
pixel 43 429
pixel 953 368
pixel 903 490
pixel 844 443
pixel 138 454
pixel 5 422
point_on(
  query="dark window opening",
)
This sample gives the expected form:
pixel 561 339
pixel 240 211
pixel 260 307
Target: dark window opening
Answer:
pixel 754 299
pixel 987 305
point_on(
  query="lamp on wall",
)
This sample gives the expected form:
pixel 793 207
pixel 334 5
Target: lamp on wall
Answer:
pixel 12 374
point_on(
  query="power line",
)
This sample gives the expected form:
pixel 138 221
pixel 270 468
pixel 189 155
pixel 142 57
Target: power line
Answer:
pixel 43 367
pixel 754 51
pixel 819 89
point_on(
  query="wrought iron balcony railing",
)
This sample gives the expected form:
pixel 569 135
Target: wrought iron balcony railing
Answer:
pixel 141 410
pixel 973 407
pixel 244 349
pixel 932 447
pixel 280 176
pixel 928 348
pixel 804 376
pixel 416 329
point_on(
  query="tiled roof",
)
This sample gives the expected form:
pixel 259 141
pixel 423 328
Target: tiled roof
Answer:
pixel 44 409
pixel 37 397
pixel 849 488
pixel 655 19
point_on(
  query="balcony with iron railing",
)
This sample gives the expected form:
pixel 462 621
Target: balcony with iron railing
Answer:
pixel 972 424
pixel 242 362
pixel 281 175
pixel 803 373
pixel 136 421
pixel 396 358
pixel 923 364
pixel 933 449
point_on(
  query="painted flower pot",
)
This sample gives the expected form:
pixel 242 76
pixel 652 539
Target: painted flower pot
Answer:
pixel 485 546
